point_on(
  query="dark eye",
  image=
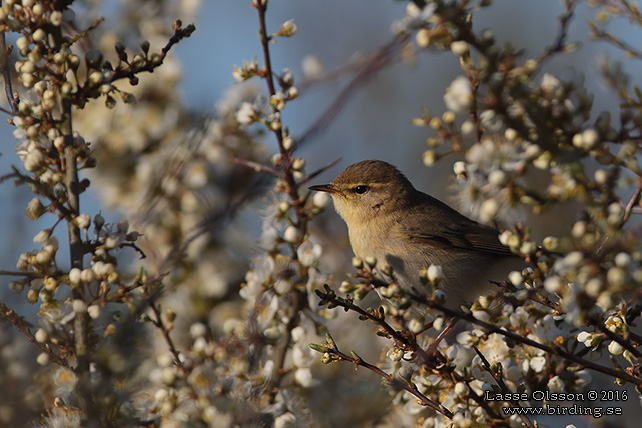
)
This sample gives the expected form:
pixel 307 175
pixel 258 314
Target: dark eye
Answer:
pixel 361 189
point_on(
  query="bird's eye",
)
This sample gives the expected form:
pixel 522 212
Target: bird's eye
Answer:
pixel 361 189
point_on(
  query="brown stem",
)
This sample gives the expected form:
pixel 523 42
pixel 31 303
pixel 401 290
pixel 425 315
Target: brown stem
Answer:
pixel 16 321
pixel 347 304
pixel 6 74
pixel 75 239
pixel 292 191
pixel 526 341
pixel 282 350
pixel 185 371
pixel 390 379
pixel 635 199
pixel 513 403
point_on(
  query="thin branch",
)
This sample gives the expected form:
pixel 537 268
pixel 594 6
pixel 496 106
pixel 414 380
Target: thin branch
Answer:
pixel 257 166
pixel 526 341
pixel 86 31
pixel 318 171
pixel 165 331
pixel 6 74
pixel 615 41
pixel 562 35
pixel 282 350
pixel 635 199
pixel 16 321
pixel 409 342
pixel 158 322
pixel 30 275
pixel 292 191
pixel 331 348
pixel 513 403
pixel 41 189
pixel 616 337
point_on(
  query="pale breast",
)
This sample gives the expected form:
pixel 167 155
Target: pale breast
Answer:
pixel 466 273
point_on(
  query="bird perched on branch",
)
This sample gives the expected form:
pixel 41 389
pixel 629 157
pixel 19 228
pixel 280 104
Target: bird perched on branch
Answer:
pixel 399 226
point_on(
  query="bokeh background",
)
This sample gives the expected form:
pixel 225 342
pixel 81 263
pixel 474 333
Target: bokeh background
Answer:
pixel 375 122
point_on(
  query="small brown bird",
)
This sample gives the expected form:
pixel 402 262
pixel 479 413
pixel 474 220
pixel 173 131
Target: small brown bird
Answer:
pixel 398 225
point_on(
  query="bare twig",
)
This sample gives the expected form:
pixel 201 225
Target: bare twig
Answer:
pixel 331 348
pixel 83 34
pixel 635 199
pixel 560 41
pixel 407 340
pixel 16 321
pixel 318 171
pixel 30 275
pixel 615 41
pixel 497 377
pixel 6 74
pixel 256 166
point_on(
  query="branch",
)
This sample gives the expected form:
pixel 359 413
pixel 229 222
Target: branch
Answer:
pixel 41 190
pixel 256 166
pixel 562 35
pixel 158 322
pixel 318 171
pixel 407 340
pixel 16 321
pixel 165 329
pixel 635 199
pixel 526 341
pixel 616 337
pixel 330 347
pixel 497 377
pixel 282 350
pixel 6 74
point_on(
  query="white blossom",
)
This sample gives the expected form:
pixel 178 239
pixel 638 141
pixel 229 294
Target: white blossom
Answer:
pixel 459 95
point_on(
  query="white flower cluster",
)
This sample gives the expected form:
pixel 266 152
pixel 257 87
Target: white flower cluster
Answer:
pixel 525 366
pixel 414 17
pixel 483 176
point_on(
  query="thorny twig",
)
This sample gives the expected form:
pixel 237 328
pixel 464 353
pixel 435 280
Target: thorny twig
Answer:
pixel 165 331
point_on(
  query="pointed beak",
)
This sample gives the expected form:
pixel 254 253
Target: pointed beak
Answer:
pixel 329 188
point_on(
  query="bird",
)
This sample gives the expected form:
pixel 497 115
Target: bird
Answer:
pixel 391 221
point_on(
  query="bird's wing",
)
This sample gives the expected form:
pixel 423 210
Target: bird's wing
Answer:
pixel 442 226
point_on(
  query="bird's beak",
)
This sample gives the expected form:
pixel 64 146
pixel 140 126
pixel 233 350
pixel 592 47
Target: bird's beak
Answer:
pixel 324 188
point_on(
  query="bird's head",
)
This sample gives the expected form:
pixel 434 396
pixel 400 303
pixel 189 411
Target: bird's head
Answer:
pixel 367 189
